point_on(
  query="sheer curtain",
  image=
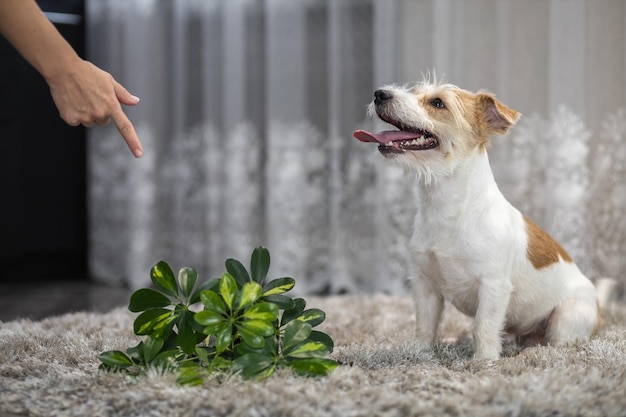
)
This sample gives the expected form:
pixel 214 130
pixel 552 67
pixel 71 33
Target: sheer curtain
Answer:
pixel 248 107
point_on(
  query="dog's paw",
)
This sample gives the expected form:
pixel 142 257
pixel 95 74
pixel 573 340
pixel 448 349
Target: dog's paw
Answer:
pixel 422 345
pixel 487 353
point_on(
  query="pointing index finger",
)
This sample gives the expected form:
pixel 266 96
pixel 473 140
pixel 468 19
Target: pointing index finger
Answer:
pixel 127 130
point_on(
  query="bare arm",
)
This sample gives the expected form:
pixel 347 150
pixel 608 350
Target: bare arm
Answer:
pixel 83 93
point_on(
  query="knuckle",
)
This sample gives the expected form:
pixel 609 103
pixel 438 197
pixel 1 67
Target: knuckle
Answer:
pixel 100 114
pixel 125 127
pixel 70 119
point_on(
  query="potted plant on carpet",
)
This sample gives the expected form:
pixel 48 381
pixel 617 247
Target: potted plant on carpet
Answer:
pixel 245 324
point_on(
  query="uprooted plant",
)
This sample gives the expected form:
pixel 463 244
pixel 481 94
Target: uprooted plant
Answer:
pixel 247 325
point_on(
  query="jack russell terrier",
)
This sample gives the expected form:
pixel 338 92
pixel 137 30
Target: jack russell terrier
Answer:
pixel 470 246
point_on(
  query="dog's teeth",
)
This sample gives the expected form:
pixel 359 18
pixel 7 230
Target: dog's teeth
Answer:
pixel 421 141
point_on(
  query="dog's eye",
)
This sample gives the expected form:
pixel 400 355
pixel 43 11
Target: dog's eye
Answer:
pixel 438 103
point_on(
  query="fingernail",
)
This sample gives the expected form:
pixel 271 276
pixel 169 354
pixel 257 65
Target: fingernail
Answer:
pixel 135 98
pixel 138 153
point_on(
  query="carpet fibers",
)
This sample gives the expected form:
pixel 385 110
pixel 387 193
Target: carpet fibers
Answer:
pixel 49 368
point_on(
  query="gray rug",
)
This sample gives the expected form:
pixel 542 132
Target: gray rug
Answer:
pixel 49 368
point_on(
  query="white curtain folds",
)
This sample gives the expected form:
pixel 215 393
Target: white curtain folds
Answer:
pixel 247 111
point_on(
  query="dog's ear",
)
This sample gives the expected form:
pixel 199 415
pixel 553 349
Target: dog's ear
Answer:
pixel 497 117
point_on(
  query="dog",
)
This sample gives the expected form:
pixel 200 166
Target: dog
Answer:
pixel 470 246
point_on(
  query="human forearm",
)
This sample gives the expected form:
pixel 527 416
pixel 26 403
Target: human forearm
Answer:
pixel 37 40
pixel 83 93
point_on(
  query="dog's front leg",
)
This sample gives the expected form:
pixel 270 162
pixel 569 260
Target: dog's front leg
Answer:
pixel 493 300
pixel 428 308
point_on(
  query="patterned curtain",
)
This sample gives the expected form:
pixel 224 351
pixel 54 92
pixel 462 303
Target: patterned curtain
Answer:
pixel 248 107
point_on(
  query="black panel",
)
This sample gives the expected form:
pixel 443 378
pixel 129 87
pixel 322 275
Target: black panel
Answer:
pixel 42 178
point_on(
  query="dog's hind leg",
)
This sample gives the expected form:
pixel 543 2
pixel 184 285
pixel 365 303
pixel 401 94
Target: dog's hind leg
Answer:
pixel 574 319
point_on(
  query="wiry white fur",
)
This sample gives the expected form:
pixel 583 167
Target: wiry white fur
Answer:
pixel 470 245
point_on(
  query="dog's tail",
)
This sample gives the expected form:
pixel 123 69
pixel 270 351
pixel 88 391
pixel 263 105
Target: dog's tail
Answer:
pixel 610 291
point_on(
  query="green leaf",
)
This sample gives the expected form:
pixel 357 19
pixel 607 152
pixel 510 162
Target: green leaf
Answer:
pixel 282 301
pixel 238 271
pixel 163 277
pixel 252 339
pixel 313 316
pixel 278 286
pixel 136 352
pixel 308 349
pixel 213 302
pixel 190 375
pixel 186 334
pixel 203 354
pixel 228 290
pixel 259 264
pixel 262 311
pixel 223 338
pixel 171 342
pixel 214 329
pixel 250 292
pixel 254 365
pixel 258 327
pixel 166 360
pixel 295 332
pixel 210 284
pixel 209 318
pixel 164 328
pixel 220 363
pixel 313 366
pixel 147 298
pixel 149 319
pixel 292 313
pixel 115 359
pixel 268 349
pixel 151 347
pixel 187 278
pixel 323 338
pixel 198 329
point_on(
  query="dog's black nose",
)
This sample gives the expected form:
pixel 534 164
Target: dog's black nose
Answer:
pixel 381 96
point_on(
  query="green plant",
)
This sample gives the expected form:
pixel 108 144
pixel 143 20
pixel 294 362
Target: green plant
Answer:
pixel 247 325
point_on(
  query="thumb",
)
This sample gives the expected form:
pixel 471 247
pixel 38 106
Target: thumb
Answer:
pixel 124 96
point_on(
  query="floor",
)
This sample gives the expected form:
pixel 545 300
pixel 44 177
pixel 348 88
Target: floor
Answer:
pixel 39 300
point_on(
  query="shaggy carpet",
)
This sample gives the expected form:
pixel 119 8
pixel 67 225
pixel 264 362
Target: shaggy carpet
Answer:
pixel 49 368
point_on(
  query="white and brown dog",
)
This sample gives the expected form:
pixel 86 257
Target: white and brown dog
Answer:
pixel 470 246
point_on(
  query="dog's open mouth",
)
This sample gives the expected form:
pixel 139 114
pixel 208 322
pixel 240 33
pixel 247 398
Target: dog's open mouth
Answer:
pixel 399 140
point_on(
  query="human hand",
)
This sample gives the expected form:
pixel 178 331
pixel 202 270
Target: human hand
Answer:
pixel 88 95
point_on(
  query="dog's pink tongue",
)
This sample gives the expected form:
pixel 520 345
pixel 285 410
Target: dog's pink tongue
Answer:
pixel 383 137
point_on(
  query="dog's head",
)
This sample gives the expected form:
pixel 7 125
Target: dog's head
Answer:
pixel 439 125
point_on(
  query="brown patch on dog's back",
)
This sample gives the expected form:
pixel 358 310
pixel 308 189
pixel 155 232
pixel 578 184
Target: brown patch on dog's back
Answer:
pixel 542 250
